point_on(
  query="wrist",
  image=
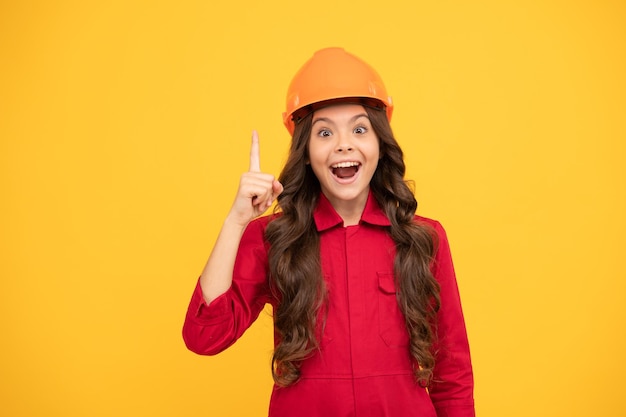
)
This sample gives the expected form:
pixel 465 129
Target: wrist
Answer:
pixel 234 223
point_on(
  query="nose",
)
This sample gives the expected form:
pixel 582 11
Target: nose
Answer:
pixel 346 148
pixel 343 144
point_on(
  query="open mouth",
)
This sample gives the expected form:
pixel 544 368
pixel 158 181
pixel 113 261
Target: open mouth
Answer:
pixel 345 169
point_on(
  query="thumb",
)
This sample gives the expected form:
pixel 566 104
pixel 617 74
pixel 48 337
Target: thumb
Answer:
pixel 277 188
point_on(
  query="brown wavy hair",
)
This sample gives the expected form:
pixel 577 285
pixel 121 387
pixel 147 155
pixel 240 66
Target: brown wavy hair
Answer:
pixel 294 260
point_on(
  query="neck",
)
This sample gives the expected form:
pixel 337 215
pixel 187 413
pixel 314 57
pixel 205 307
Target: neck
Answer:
pixel 351 210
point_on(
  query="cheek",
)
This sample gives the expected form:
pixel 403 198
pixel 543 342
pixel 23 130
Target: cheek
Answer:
pixel 318 153
pixel 374 151
pixel 316 162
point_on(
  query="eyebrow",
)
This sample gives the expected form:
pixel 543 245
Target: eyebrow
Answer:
pixel 352 119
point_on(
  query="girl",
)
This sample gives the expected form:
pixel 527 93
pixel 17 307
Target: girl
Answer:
pixel 367 315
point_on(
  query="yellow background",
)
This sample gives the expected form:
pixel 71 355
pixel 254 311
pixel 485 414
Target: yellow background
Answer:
pixel 124 127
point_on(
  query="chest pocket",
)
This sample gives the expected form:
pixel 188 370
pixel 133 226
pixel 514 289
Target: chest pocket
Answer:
pixel 392 327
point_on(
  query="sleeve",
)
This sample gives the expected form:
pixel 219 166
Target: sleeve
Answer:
pixel 452 387
pixel 210 329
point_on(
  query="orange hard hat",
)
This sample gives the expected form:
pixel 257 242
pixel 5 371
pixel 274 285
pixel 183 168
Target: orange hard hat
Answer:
pixel 331 74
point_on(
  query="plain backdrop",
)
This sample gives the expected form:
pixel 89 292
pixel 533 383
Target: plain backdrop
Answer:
pixel 124 127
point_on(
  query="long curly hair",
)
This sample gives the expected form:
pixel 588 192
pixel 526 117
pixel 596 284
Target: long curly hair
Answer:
pixel 294 260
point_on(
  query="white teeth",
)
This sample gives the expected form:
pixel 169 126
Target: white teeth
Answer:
pixel 345 164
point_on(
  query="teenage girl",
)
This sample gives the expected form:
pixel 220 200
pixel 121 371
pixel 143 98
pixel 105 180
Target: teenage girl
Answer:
pixel 367 315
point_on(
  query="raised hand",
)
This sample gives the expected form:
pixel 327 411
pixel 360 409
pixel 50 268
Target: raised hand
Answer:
pixel 257 190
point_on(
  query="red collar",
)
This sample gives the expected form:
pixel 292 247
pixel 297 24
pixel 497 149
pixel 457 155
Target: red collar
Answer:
pixel 326 217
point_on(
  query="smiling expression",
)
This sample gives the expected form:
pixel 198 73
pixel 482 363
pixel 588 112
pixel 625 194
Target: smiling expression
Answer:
pixel 343 152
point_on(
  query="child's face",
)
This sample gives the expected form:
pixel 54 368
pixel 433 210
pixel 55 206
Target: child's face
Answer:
pixel 343 153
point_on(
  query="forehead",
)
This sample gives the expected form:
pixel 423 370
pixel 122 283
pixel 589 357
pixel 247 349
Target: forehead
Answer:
pixel 339 112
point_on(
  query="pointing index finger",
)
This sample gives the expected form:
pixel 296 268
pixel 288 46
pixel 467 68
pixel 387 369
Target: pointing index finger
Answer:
pixel 255 160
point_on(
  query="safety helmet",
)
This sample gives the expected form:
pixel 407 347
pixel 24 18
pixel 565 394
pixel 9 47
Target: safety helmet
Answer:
pixel 332 74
